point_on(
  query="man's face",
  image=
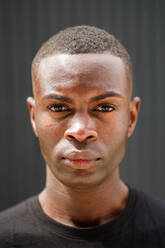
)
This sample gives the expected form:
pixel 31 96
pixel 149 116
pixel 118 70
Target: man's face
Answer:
pixel 83 116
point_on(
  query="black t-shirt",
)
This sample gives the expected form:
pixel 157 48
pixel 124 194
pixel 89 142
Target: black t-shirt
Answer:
pixel 141 224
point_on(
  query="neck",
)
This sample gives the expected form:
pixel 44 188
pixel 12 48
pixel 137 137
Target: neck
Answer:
pixel 84 208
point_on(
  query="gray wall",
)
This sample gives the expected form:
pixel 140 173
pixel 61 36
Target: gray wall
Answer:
pixel 24 25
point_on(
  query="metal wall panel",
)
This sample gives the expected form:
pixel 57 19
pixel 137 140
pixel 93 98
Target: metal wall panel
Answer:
pixel 24 26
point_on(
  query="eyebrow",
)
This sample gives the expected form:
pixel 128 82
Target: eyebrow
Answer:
pixel 108 94
pixel 93 99
pixel 58 97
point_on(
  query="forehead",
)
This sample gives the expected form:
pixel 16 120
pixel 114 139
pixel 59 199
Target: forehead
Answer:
pixel 103 71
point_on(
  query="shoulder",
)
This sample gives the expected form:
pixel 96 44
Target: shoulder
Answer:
pixel 18 211
pixel 154 205
pixel 13 219
pixel 151 211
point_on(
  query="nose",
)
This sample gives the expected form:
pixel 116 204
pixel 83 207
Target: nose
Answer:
pixel 81 129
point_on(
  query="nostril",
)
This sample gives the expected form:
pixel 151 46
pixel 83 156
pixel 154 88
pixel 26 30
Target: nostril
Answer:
pixel 70 136
pixel 90 137
pixel 79 136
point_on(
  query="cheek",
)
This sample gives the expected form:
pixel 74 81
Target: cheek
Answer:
pixel 49 130
pixel 115 129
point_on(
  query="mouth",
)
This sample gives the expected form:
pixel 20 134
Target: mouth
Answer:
pixel 81 160
pixel 80 163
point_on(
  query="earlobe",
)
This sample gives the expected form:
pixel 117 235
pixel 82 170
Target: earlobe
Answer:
pixel 31 106
pixel 134 110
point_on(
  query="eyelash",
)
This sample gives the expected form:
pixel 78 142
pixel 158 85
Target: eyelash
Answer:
pixel 60 106
pixel 105 106
pixel 64 108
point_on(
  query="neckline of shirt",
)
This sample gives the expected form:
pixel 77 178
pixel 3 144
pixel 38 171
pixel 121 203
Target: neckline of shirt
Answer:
pixel 111 228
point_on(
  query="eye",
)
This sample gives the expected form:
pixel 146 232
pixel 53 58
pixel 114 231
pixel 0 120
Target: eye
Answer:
pixel 105 108
pixel 58 108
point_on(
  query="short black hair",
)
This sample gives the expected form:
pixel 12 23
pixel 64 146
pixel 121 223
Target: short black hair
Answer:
pixel 83 39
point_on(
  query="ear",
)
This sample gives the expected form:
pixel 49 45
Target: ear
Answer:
pixel 31 106
pixel 134 110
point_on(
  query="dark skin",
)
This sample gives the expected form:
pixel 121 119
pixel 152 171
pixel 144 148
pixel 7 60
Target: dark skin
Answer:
pixel 82 114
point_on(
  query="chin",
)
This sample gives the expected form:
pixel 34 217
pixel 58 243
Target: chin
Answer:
pixel 81 180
